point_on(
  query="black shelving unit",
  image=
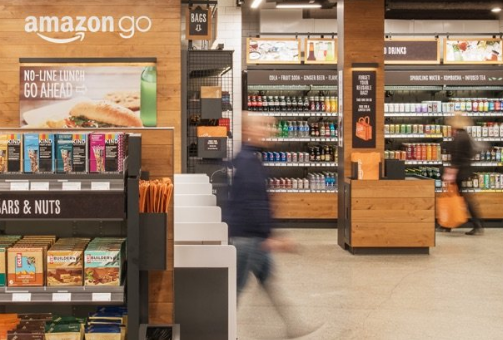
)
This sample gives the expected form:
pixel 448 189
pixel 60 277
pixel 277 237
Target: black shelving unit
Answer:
pixel 109 208
pixel 206 68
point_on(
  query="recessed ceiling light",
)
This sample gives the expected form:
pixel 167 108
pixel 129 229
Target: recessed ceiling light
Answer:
pixel 496 10
pixel 297 5
pixel 256 3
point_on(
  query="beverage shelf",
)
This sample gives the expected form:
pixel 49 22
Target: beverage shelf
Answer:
pixel 61 295
pixel 423 162
pixel 414 135
pixel 301 164
pixel 292 88
pixel 302 190
pixel 474 190
pixel 475 163
pixel 293 114
pixel 443 114
pixel 301 139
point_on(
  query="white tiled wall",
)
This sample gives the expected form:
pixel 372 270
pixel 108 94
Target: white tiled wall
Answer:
pixel 229 33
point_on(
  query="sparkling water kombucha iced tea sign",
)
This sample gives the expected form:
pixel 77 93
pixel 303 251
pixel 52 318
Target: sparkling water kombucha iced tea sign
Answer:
pixel 65 96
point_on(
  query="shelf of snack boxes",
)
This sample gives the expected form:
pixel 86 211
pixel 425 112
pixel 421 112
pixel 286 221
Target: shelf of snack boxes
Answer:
pixel 302 190
pixel 63 294
pixel 62 182
pixel 442 114
pixel 301 164
pixel 293 114
pixel 301 139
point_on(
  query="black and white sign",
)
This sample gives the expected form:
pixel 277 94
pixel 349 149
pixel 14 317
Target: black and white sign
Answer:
pixel 294 77
pixel 199 24
pixel 212 144
pixel 62 205
pixel 364 109
pixel 454 77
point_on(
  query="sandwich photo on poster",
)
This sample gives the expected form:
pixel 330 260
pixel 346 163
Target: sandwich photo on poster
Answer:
pixel 88 96
pixel 272 51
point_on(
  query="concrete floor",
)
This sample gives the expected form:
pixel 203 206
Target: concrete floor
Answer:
pixel 456 292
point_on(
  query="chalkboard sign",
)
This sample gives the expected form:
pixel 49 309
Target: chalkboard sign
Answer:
pixel 364 106
pixel 198 25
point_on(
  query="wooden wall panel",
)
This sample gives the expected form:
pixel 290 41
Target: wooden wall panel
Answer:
pixel 304 205
pixel 162 151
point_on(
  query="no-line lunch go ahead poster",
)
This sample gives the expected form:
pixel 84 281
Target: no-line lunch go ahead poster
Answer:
pixel 62 96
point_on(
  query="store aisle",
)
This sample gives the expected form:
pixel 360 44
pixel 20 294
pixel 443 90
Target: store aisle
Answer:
pixel 456 292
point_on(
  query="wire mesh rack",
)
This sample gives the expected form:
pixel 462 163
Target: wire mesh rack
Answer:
pixel 209 68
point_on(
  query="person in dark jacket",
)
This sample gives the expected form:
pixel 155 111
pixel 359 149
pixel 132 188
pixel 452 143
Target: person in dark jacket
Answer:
pixel 462 152
pixel 249 219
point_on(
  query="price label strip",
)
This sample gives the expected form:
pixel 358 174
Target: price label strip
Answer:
pixel 102 297
pixel 102 186
pixel 20 186
pixel 61 297
pixel 21 297
pixel 39 186
pixel 72 186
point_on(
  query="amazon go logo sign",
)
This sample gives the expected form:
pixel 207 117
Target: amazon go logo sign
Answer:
pixel 126 26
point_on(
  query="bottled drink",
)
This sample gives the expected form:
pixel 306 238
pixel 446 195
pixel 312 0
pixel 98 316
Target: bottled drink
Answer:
pixel 322 154
pixel 306 104
pixel 276 103
pixel 259 103
pixel 248 105
pixel 286 129
pixel 306 130
pixel 469 105
pixel 265 104
pixel 280 129
pixel 282 103
pixel 148 96
pixel 317 104
pixel 311 56
pixel 322 129
pixel 328 107
pixel 312 104
pixel 322 104
pixel 294 104
pixel 332 129
pixel 288 104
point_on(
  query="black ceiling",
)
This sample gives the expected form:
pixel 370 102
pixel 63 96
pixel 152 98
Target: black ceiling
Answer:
pixel 442 10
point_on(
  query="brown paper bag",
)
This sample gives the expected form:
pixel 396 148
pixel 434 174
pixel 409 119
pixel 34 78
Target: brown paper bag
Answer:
pixel 368 164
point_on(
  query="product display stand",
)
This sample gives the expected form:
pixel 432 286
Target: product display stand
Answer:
pixel 389 216
pixel 105 205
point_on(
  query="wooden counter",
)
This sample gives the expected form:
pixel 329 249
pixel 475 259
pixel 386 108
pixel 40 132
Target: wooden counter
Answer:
pixel 390 214
pixel 304 205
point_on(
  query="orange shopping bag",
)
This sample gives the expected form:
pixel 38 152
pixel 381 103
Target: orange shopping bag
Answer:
pixel 451 208
pixel 363 128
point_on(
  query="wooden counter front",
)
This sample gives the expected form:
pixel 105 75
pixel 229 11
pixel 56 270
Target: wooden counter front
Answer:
pixel 394 214
pixel 304 205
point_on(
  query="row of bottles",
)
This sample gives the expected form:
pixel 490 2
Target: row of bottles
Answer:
pixel 428 172
pixel 317 153
pixel 473 105
pixel 313 181
pixel 426 129
pixel 294 129
pixel 484 181
pixel 292 103
pixel 454 105
pixel 486 129
pixel 416 152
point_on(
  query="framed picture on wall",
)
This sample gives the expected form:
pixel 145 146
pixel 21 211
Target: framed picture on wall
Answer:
pixel 320 51
pixel 472 51
pixel 272 51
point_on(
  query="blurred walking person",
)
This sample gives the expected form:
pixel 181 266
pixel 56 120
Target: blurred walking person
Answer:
pixel 462 152
pixel 249 219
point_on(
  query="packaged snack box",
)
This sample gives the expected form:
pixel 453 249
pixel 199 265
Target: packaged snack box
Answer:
pixel 104 262
pixel 31 152
pixel 114 152
pixel 96 152
pixel 46 152
pixel 14 153
pixel 64 152
pixel 25 267
pixel 3 153
pixel 65 262
pixel 79 153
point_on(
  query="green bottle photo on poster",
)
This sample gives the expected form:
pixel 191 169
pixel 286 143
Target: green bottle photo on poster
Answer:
pixel 148 96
